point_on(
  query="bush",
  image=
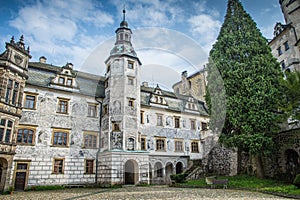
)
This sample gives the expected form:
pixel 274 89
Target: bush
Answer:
pixel 178 178
pixel 297 181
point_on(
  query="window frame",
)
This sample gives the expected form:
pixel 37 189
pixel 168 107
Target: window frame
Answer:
pixel 159 120
pixel 195 147
pixel 60 106
pixel 67 132
pixel 87 167
pixel 62 166
pixel 176 122
pixel 29 128
pixel 143 144
pixel 4 128
pixel 92 141
pixel 94 106
pixel 160 144
pixel 34 100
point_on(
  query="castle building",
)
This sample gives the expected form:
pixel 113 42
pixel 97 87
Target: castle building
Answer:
pixel 286 42
pixel 60 126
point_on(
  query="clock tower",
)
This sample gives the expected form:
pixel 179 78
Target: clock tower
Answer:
pixel 121 112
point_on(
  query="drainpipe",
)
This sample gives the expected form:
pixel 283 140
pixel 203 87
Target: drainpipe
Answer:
pixel 99 139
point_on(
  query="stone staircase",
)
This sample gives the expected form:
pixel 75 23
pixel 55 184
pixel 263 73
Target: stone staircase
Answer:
pixel 195 171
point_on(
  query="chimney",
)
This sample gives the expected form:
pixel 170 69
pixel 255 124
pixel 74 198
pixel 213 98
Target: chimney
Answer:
pixel 145 84
pixel 43 59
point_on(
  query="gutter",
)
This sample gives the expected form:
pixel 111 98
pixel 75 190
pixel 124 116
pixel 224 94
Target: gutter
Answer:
pixel 99 139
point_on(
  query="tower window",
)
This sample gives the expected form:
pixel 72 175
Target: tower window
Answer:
pixel 286 46
pixel 177 122
pixel 279 51
pixel 130 65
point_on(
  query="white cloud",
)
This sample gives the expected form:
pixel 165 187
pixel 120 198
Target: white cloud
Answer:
pixel 59 29
pixel 206 28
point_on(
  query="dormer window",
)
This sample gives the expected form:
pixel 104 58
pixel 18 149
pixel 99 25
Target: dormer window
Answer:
pixel 61 80
pixel 69 82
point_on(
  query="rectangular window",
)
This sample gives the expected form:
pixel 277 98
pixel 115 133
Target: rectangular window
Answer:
pixel 62 106
pixel 60 138
pixel 195 147
pixel 5 130
pixel 177 122
pixel 130 65
pixel 130 81
pixel 8 91
pixel 193 124
pixel 89 166
pixel 131 103
pixel 58 166
pixel 92 110
pixel 143 144
pixel 160 145
pixel 105 109
pixel 90 140
pixel 204 126
pixel 142 117
pixel 159 120
pixel 61 80
pixel 286 46
pixel 279 51
pixel 69 82
pixel 30 101
pixel 15 93
pixel 116 126
pixel 25 136
pixel 178 146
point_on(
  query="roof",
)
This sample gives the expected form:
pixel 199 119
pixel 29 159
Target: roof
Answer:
pixel 41 74
pixel 175 102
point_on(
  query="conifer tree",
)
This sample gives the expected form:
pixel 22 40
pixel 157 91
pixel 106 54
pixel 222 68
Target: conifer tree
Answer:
pixel 251 77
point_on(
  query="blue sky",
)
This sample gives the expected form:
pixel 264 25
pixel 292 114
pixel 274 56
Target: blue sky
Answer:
pixel 167 34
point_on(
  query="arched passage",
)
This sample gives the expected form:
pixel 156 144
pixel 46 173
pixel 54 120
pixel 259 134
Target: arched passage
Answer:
pixel 292 163
pixel 169 171
pixel 131 172
pixel 3 173
pixel 179 168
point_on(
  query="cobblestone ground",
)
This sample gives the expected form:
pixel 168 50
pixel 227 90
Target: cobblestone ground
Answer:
pixel 140 193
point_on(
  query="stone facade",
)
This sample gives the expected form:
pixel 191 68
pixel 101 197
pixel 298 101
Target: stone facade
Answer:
pixel 74 128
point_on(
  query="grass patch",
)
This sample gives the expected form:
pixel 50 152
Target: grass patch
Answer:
pixel 251 183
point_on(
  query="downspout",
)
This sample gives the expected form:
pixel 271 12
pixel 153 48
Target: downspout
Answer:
pixel 99 139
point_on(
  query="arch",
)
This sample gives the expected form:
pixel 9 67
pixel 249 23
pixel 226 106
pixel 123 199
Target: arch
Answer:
pixel 131 172
pixel 169 171
pixel 158 169
pixel 179 167
pixel 3 173
pixel 292 163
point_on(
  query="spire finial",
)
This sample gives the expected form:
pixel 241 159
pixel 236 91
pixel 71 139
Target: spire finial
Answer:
pixel 124 11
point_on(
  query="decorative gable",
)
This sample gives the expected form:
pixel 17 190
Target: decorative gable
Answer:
pixel 65 78
pixel 157 97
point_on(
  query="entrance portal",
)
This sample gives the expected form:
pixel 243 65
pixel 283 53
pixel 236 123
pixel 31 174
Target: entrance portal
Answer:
pixel 131 172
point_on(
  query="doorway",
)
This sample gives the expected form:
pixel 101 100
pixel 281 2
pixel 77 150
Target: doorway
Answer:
pixel 131 172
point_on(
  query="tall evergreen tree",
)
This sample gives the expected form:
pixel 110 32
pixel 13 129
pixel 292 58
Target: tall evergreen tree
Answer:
pixel 251 77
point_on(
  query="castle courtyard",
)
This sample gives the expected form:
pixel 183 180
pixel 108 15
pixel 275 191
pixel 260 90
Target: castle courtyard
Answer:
pixel 130 192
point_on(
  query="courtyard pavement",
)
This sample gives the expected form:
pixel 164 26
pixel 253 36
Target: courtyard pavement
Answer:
pixel 141 193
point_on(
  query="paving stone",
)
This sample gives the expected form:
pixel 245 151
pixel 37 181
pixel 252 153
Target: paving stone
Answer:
pixel 145 193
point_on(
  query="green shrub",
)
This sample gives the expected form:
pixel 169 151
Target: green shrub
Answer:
pixel 45 187
pixel 297 181
pixel 178 178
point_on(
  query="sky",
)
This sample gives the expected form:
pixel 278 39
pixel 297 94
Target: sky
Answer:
pixel 169 36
